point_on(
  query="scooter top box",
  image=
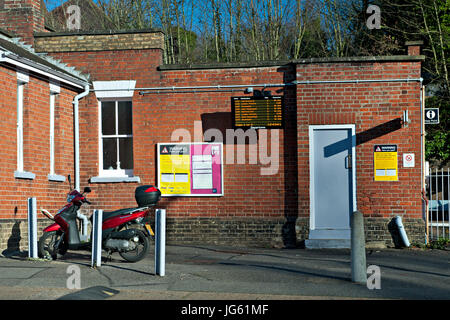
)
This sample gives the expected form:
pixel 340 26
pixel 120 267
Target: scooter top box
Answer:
pixel 147 195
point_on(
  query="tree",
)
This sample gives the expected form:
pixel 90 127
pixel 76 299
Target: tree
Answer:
pixel 426 20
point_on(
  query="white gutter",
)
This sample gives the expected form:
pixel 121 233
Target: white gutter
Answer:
pixel 77 134
pixel 40 69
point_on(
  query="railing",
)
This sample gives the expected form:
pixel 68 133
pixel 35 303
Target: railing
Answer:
pixel 438 194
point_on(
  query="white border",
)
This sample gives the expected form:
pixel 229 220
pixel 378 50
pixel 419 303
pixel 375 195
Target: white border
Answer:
pixel 197 194
pixel 311 166
pixel 114 89
pixel 102 173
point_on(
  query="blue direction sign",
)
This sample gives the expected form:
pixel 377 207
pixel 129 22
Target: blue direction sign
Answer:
pixel 431 115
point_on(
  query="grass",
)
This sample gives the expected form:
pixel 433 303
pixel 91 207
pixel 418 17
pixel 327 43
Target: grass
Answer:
pixel 439 244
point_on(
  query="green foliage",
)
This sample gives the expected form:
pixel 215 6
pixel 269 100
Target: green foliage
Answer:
pixel 441 244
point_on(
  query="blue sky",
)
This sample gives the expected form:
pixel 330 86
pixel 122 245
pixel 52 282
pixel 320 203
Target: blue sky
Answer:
pixel 52 4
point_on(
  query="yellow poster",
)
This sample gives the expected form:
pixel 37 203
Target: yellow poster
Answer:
pixel 385 163
pixel 174 169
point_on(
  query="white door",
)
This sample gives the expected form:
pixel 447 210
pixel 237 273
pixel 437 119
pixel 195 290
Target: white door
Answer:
pixel 332 181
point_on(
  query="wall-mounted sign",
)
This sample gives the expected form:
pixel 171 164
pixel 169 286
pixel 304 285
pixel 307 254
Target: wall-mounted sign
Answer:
pixel 190 169
pixel 408 160
pixel 385 162
pixel 257 112
pixel 431 115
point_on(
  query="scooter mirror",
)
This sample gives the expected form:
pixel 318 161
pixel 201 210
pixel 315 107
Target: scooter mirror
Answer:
pixel 87 189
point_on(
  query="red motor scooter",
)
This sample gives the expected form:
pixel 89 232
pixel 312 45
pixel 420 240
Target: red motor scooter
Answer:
pixel 120 229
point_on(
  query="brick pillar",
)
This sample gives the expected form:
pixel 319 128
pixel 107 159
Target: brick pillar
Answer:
pixel 22 18
pixel 413 47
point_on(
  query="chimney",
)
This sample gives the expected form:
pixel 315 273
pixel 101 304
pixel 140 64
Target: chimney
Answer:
pixel 414 47
pixel 22 18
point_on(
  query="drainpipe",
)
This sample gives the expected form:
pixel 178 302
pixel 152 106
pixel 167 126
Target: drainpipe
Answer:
pixel 423 172
pixel 77 134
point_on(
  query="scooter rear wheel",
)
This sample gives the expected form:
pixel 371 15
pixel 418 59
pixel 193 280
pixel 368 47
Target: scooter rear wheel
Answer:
pixel 142 247
pixel 46 245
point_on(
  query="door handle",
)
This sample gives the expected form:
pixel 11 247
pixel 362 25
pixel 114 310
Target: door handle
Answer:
pixel 348 162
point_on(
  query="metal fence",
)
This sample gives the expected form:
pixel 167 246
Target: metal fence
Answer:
pixel 438 194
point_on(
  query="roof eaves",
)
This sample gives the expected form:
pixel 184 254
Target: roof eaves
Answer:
pixel 19 52
pixel 54 73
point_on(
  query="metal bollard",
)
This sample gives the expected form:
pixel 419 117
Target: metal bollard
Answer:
pixel 358 248
pixel 96 258
pixel 160 242
pixel 32 229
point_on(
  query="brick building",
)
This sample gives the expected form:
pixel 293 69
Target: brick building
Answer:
pixel 298 182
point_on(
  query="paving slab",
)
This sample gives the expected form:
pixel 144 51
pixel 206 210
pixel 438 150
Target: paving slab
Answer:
pixel 223 273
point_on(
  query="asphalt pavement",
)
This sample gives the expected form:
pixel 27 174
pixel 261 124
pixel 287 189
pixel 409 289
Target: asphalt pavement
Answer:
pixel 228 273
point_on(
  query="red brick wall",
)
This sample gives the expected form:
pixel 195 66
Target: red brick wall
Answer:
pixel 137 65
pixel 156 116
pixel 50 195
pixel 22 17
pixel 368 106
pixel 248 194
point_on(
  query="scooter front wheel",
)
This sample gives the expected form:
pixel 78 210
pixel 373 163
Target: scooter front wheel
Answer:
pixel 142 246
pixel 46 245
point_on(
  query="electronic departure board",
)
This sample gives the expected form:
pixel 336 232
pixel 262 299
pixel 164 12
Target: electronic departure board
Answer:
pixel 257 112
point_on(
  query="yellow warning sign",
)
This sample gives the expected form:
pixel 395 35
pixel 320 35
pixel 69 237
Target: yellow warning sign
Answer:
pixel 385 163
pixel 175 168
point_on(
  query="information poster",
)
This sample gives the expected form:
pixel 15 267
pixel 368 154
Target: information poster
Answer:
pixel 385 162
pixel 190 169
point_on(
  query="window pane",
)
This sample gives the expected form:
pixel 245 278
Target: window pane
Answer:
pixel 126 153
pixel 108 118
pixel 125 118
pixel 109 153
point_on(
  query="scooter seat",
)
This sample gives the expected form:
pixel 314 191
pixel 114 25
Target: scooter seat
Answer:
pixel 108 215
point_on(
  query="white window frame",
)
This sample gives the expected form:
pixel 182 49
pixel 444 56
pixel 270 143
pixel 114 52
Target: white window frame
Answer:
pixel 114 172
pixel 22 79
pixel 54 91
pixel 52 132
pixel 20 100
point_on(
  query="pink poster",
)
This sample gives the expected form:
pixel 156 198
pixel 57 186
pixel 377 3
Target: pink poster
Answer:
pixel 206 169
